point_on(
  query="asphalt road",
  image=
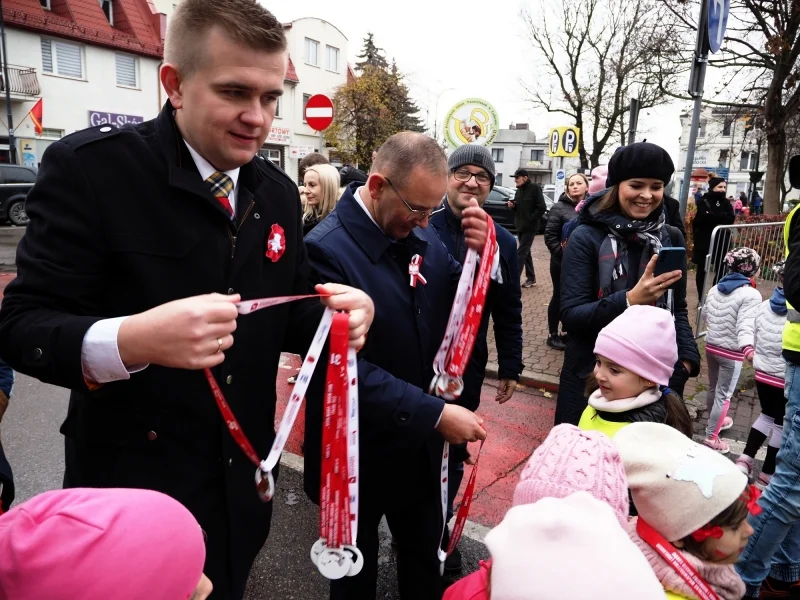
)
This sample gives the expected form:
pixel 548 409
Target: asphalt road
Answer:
pixel 283 570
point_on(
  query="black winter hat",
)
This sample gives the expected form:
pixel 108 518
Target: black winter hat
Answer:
pixel 640 160
pixel 714 182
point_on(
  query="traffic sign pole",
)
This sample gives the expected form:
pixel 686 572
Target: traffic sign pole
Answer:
pixel 696 83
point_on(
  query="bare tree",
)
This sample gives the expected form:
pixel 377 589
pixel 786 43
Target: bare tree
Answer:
pixel 761 58
pixel 594 55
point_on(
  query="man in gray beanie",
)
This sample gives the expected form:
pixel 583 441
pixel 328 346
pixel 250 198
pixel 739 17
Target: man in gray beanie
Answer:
pixel 472 175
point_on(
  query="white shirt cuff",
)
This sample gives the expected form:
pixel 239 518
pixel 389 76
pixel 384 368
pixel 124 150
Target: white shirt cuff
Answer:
pixel 100 358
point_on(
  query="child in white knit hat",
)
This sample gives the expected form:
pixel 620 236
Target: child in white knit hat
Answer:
pixel 636 354
pixel 693 505
pixel 729 311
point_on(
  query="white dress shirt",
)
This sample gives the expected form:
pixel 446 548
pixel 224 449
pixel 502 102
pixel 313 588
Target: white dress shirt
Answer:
pixel 100 359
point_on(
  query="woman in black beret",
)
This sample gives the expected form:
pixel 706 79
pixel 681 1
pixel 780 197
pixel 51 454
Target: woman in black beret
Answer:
pixel 610 258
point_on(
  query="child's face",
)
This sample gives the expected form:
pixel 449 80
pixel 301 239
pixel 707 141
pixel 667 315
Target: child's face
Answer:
pixel 617 382
pixel 203 590
pixel 726 550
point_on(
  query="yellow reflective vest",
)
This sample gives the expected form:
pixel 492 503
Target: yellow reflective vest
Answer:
pixel 591 421
pixel 791 332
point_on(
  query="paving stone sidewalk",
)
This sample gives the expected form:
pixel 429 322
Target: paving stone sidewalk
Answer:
pixel 543 364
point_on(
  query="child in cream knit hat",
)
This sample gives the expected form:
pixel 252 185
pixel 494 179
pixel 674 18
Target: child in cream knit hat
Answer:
pixel 636 354
pixel 570 508
pixel 693 505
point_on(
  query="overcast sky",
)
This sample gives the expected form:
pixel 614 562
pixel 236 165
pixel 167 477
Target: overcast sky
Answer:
pixel 477 47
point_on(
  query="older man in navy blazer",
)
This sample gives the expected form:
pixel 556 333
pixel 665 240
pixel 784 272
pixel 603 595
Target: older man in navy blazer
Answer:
pixel 377 230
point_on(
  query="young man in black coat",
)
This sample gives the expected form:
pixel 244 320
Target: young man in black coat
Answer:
pixel 472 173
pixel 129 274
pixel 528 206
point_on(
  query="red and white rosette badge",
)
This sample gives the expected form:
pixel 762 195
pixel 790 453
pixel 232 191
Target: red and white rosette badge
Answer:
pixel 335 553
pixel 453 355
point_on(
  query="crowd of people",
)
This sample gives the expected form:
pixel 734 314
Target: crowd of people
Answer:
pixel 142 324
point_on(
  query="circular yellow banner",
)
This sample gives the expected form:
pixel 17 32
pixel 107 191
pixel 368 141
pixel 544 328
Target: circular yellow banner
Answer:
pixel 471 121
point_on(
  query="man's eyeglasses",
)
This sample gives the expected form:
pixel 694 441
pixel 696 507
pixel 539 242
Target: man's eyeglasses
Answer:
pixel 415 213
pixel 465 175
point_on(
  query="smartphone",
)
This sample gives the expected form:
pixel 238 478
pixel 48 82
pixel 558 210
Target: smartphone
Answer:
pixel 669 259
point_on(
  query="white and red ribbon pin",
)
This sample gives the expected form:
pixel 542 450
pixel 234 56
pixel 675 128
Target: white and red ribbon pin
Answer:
pixel 414 268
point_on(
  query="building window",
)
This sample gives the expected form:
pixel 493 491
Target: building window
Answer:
pixel 702 132
pixel 273 156
pixel 62 58
pixel 332 58
pixel 306 98
pixel 45 4
pixel 499 179
pixel 497 154
pixel 726 126
pixel 108 10
pixel 748 161
pixel 537 155
pixel 312 52
pixel 278 103
pixel 127 70
pixel 52 133
pixel 723 158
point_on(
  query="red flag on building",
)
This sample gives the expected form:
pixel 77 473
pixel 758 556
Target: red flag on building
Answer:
pixel 36 116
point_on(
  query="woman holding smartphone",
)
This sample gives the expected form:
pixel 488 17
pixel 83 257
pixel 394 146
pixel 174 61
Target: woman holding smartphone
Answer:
pixel 611 257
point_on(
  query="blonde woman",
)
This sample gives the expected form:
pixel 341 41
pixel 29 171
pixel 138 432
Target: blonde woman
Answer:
pixel 322 193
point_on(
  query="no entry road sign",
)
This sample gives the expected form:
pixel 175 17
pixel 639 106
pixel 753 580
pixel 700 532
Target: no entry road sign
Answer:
pixel 319 112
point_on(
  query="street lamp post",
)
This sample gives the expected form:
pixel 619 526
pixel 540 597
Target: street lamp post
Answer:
pixel 436 115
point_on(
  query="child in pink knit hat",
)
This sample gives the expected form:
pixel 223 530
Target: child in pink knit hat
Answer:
pixel 99 544
pixel 693 505
pixel 636 354
pixel 570 507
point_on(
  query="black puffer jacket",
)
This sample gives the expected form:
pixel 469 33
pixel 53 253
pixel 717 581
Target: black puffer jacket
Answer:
pixel 561 213
pixel 584 315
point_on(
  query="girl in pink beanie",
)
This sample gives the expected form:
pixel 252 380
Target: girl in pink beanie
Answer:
pixel 571 503
pixel 693 505
pixel 98 544
pixel 636 354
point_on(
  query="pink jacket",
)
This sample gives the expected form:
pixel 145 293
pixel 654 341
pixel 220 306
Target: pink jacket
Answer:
pixel 473 587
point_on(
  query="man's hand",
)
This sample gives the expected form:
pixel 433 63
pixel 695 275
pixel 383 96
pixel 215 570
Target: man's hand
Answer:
pixel 459 425
pixel 192 333
pixel 360 306
pixel 473 221
pixel 511 204
pixel 505 389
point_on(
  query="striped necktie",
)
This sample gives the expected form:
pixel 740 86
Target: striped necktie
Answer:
pixel 221 186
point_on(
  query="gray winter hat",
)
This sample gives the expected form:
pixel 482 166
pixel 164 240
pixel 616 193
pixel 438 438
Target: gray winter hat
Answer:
pixel 470 154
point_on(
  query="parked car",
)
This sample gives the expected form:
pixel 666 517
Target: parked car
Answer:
pixel 497 206
pixel 15 182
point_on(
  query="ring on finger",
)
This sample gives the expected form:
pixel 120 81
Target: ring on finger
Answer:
pixel 219 345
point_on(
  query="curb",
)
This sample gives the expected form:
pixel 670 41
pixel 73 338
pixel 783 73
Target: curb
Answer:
pixel 529 378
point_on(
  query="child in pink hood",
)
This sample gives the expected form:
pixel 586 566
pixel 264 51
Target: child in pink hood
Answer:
pixel 101 544
pixel 693 505
pixel 570 507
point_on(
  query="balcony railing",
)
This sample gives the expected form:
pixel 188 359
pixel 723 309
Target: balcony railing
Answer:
pixel 21 80
pixel 535 165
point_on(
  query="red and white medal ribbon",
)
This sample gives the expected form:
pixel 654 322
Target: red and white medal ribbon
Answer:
pixel 265 483
pixel 452 358
pixel 667 551
pixel 414 268
pixel 245 307
pixel 335 553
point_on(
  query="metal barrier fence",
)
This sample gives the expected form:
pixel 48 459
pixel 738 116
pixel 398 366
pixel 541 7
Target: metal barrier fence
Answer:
pixel 764 238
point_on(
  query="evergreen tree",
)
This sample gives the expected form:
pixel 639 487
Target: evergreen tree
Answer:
pixel 371 55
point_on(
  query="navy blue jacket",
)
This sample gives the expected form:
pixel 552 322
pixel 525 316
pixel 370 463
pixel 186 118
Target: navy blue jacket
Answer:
pixel 395 366
pixel 503 303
